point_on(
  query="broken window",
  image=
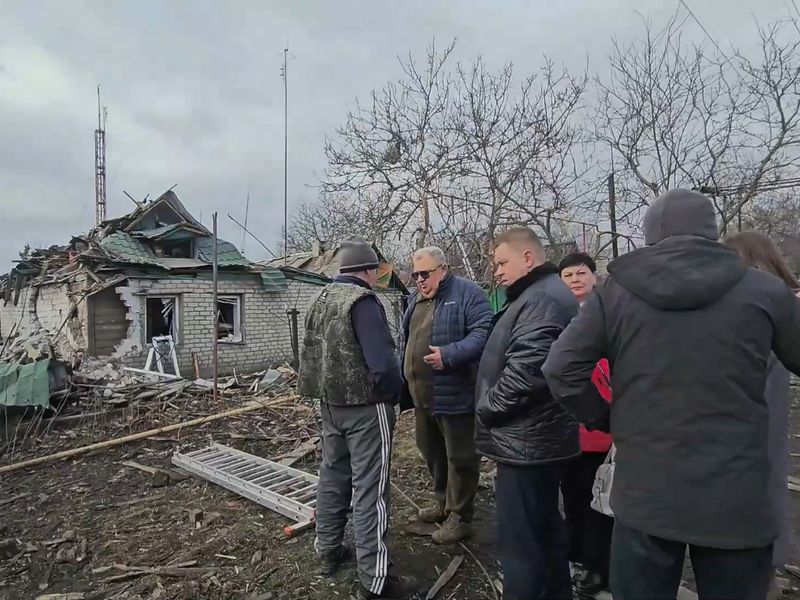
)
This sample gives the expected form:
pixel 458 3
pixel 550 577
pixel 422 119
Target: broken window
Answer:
pixel 229 318
pixel 178 249
pixel 161 318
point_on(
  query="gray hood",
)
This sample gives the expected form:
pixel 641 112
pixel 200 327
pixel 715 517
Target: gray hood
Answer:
pixel 680 212
pixel 679 273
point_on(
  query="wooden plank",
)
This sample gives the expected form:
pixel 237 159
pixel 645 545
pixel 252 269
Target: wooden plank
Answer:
pixel 111 321
pixel 108 334
pixel 445 577
pixel 106 325
pixel 109 312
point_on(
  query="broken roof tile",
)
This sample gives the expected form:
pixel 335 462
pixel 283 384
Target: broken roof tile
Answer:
pixel 227 254
pixel 126 248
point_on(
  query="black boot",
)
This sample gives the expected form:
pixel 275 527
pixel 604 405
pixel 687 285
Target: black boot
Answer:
pixel 395 588
pixel 330 561
pixel 588 584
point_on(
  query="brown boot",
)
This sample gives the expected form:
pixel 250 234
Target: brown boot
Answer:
pixel 433 513
pixel 452 531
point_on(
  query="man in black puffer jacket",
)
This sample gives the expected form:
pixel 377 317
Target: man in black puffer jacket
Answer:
pixel 528 434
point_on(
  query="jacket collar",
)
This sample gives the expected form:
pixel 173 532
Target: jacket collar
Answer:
pixel 516 289
pixel 445 283
pixel 352 280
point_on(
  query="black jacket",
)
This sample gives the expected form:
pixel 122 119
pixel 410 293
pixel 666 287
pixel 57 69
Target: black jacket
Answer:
pixel 688 332
pixel 518 422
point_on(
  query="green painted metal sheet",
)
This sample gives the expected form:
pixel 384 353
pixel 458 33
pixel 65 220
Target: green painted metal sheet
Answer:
pixel 227 254
pixel 25 385
pixel 126 248
pixel 272 280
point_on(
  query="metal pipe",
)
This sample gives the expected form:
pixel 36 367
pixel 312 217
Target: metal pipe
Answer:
pixel 215 327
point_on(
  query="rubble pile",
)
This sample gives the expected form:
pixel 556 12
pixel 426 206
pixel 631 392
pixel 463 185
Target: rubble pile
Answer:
pixel 99 391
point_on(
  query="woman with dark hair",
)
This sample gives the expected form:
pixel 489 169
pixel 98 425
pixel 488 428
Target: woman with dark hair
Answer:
pixel 757 250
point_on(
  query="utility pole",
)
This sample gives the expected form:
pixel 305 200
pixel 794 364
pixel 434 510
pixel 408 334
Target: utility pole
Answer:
pixel 100 162
pixel 215 310
pixel 285 76
pixel 612 215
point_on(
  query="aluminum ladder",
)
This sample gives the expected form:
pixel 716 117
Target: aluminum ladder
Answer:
pixel 288 491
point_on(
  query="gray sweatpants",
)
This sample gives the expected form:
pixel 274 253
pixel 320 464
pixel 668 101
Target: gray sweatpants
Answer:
pixel 356 455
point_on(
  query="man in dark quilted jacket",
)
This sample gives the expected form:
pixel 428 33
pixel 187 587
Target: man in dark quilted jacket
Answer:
pixel 521 427
pixel 445 328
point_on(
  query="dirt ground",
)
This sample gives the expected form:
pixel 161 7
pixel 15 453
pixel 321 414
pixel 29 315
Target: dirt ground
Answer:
pixel 111 516
pixel 78 522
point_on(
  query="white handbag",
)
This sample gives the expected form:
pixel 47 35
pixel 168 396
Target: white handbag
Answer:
pixel 603 480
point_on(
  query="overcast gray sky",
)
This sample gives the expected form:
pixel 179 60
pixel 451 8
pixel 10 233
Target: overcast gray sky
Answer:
pixel 195 98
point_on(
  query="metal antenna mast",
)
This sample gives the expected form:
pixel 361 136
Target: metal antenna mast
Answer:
pixel 285 76
pixel 100 162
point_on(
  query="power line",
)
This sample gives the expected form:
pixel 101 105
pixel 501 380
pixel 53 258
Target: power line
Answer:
pixel 708 35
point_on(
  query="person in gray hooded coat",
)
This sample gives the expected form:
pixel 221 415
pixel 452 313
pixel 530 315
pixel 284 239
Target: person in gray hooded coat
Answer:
pixel 688 331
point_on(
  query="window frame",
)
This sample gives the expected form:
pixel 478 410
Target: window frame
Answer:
pixel 176 319
pixel 238 318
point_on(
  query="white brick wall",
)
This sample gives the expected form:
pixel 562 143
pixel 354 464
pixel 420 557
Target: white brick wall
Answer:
pixel 46 307
pixel 266 326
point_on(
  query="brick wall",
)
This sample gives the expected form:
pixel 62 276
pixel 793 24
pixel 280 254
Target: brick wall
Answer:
pixel 265 325
pixel 266 338
pixel 45 308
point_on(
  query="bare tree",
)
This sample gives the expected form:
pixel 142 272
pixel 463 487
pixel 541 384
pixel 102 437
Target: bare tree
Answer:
pixel 398 147
pixel 451 152
pixel 778 216
pixel 519 143
pixel 681 116
pixel 333 218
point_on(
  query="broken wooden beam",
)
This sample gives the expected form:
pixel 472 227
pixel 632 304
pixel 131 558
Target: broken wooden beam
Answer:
pixel 445 577
pixel 249 407
pixel 161 477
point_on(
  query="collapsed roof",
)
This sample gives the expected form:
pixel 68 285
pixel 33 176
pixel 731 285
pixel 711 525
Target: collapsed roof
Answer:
pixel 326 262
pixel 159 237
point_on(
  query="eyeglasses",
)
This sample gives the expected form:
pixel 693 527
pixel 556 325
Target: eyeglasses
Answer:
pixel 424 275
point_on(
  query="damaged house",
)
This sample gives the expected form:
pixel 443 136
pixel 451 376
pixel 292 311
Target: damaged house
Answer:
pixel 323 262
pixel 107 294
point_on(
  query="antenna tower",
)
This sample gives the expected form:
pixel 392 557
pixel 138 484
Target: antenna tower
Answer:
pixel 100 162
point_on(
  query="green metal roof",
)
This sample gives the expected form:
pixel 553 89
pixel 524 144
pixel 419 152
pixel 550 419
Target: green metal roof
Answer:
pixel 126 248
pixel 272 280
pixel 227 254
pixel 305 276
pixel 174 231
pixel 25 385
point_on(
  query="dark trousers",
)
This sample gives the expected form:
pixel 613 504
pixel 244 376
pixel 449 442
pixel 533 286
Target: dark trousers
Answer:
pixel 448 446
pixel 589 531
pixel 531 536
pixel 644 566
pixel 356 461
